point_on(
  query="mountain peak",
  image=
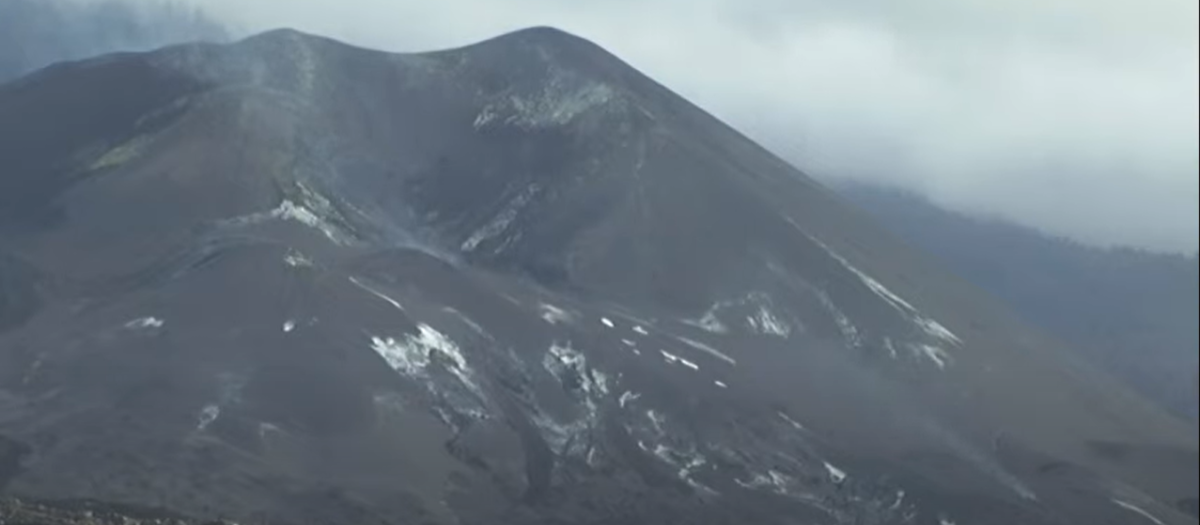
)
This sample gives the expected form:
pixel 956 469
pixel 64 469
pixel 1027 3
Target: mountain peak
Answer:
pixel 289 36
pixel 543 35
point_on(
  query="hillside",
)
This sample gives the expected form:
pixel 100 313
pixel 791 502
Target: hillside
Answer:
pixel 1133 313
pixel 291 280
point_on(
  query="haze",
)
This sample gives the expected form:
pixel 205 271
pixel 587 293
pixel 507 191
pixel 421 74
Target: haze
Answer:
pixel 1077 117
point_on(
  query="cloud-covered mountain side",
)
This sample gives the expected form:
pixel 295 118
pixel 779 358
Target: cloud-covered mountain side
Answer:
pixel 37 33
pixel 1130 311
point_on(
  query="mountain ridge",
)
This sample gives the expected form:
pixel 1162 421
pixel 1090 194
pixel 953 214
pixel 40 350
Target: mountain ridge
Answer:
pixel 36 33
pixel 320 248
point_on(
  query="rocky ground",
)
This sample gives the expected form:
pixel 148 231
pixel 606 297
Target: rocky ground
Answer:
pixel 18 512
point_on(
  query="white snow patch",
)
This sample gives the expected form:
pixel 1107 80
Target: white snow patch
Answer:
pixel 762 320
pixel 935 329
pixel 289 210
pixel 640 331
pixel 502 221
pixel 929 326
pixel 657 420
pixel 835 474
pixel 880 290
pixel 765 322
pixel 296 212
pixel 288 326
pixel 607 322
pixel 891 348
pixel 466 320
pixel 945 521
pixel 377 293
pixel 566 357
pixel 628 397
pixel 778 479
pixel 709 322
pixel 707 349
pixel 632 347
pixel 145 323
pixel 562 99
pixel 413 355
pixel 721 384
pixel 687 471
pixel 1138 510
pixel 208 415
pixel 400 356
pixel 674 359
pixel 775 480
pixel 758 481
pixel 266 429
pixel 939 356
pixel 628 343
pixel 686 463
pixel 560 359
pixel 313 211
pixel 795 424
pixel 555 315
pixel 485 117
pixel 296 259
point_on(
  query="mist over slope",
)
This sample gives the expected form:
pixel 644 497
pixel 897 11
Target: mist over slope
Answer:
pixel 1131 312
pixel 37 33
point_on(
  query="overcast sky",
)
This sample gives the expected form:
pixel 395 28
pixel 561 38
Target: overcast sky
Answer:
pixel 1078 117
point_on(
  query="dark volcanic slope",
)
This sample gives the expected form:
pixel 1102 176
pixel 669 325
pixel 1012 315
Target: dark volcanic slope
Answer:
pixel 512 283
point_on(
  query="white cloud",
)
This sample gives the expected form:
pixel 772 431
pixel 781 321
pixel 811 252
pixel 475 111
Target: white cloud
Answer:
pixel 1075 116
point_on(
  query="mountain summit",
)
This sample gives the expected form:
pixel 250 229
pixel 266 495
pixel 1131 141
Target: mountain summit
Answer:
pixel 519 282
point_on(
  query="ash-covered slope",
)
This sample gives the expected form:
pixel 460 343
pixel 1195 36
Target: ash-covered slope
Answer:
pixel 517 283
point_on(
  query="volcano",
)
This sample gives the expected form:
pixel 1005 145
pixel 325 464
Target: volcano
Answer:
pixel 288 280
